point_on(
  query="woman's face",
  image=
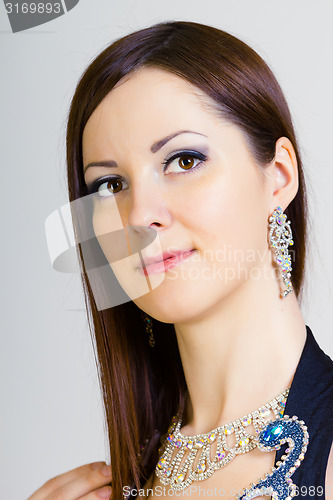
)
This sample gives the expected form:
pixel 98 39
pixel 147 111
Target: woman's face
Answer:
pixel 187 173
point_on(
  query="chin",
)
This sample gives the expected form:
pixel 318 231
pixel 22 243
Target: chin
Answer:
pixel 177 305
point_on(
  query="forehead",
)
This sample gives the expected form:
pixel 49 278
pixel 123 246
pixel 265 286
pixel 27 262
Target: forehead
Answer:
pixel 149 101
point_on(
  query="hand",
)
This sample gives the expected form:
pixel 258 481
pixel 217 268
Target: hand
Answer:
pixel 84 483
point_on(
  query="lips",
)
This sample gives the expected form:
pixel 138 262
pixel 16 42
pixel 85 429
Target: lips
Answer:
pixel 156 264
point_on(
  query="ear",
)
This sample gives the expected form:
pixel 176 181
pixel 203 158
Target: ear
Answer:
pixel 283 173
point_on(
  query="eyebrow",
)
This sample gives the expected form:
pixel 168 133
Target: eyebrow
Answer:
pixel 105 163
pixel 154 148
pixel 158 144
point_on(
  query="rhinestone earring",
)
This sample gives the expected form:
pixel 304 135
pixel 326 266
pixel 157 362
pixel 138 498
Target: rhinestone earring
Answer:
pixel 149 328
pixel 280 237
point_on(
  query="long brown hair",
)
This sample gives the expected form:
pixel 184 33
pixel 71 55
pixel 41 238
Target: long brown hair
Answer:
pixel 142 387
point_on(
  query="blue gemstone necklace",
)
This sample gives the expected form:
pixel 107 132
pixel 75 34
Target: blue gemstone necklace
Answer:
pixel 278 482
pixel 185 459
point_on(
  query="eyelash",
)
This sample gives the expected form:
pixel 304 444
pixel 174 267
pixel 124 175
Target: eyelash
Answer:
pixel 93 188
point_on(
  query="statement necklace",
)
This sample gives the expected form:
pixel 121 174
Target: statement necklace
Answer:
pixel 185 459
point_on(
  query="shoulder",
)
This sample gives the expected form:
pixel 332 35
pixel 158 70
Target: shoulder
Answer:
pixel 329 477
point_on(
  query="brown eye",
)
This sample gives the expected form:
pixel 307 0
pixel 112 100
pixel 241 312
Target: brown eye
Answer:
pixel 114 186
pixel 110 187
pixel 186 162
pixel 183 162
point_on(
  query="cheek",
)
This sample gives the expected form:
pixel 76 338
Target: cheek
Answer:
pixel 227 210
pixel 109 229
pixel 106 214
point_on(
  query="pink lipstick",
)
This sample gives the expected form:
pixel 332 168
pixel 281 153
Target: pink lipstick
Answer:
pixel 170 259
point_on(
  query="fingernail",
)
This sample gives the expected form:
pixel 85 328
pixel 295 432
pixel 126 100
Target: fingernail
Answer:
pixel 104 493
pixel 106 471
pixel 97 465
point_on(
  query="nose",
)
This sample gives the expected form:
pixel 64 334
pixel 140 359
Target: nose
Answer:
pixel 148 205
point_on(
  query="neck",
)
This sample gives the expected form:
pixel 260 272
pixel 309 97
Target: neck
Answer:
pixel 236 362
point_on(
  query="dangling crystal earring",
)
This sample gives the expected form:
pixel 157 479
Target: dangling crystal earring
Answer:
pixel 149 328
pixel 280 237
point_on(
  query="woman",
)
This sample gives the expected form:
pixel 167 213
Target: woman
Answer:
pixel 183 130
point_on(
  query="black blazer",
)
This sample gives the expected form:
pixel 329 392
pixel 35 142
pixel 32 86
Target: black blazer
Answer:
pixel 311 399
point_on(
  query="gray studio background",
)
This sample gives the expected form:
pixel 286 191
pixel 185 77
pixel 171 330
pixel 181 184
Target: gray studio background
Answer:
pixel 51 417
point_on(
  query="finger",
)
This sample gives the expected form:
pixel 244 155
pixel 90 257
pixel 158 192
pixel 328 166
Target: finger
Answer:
pixel 83 484
pixel 103 493
pixel 64 478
